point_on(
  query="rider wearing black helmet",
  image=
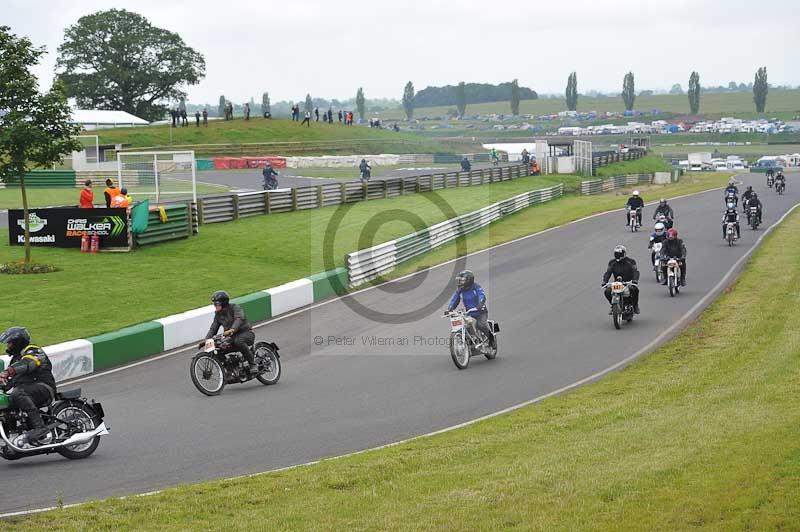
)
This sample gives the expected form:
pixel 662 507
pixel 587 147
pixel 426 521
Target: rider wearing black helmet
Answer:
pixel 232 319
pixel 665 209
pixel 746 197
pixel 623 266
pixel 754 202
pixel 31 374
pixel 471 294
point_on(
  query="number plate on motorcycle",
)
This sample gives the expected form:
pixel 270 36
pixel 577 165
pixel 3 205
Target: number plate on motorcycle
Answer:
pixel 456 324
pixel 209 345
pixel 617 287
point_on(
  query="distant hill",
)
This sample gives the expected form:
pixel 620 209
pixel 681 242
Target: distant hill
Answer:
pixel 475 92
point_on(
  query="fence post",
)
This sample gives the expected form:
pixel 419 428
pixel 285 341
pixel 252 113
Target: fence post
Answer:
pixel 365 191
pixel 199 211
pixel 343 191
pixel 402 186
pixel 235 206
pixel 189 219
pixel 431 180
pixel 267 203
pixel 294 199
pixel 458 179
pixel 319 197
pixel 385 189
pixel 417 185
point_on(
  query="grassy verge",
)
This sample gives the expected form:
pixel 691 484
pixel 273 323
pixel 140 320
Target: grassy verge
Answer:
pixel 11 198
pixel 354 139
pixel 242 257
pixel 645 165
pixel 700 434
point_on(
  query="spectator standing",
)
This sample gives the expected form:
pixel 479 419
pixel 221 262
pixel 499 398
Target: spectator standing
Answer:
pixel 340 116
pixel 174 114
pixel 197 118
pixel 330 115
pixel 110 192
pixel 87 196
pixel 349 118
pixel 120 201
pixel 184 121
pixel 246 111
pixel 307 119
pixel 205 117
pixel 316 114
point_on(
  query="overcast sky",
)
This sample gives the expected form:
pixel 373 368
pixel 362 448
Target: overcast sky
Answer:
pixel 330 48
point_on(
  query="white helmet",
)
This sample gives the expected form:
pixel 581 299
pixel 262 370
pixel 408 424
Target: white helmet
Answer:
pixel 635 192
pixel 659 228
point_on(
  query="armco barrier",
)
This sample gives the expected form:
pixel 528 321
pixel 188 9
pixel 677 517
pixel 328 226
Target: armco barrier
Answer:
pixel 223 208
pixel 46 178
pixel 367 264
pixel 181 223
pixel 597 186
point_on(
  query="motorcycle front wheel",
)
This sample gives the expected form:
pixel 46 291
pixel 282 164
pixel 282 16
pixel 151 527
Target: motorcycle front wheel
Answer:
pixel 79 418
pixel 266 357
pixel 207 374
pixel 459 350
pixel 616 316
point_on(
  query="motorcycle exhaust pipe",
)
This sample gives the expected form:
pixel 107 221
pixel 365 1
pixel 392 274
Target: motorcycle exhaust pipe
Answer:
pixel 75 439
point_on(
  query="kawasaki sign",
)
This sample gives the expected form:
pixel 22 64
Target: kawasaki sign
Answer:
pixel 64 227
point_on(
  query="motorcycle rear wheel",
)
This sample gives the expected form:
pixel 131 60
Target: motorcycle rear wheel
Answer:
pixel 459 351
pixel 207 374
pixel 270 377
pixel 77 413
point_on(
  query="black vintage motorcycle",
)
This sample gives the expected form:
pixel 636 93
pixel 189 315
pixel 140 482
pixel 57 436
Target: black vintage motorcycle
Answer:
pixel 218 364
pixel 75 425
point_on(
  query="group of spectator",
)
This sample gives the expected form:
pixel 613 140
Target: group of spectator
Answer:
pixel 115 198
pixel 178 117
pixel 345 117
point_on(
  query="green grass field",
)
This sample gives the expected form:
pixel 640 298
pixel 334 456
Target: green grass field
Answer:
pixel 699 435
pixel 354 139
pixel 784 104
pixel 253 263
pixel 645 165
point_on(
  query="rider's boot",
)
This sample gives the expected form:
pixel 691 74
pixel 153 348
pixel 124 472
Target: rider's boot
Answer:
pixel 636 309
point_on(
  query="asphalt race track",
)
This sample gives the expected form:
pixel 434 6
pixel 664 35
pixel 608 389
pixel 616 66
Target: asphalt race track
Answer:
pixel 333 399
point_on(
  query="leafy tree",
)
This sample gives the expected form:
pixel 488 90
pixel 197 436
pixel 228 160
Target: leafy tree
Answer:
pixel 676 89
pixel 117 60
pixel 760 89
pixel 34 127
pixel 514 98
pixel 461 99
pixel 572 92
pixel 265 103
pixel 221 107
pixel 628 91
pixel 361 103
pixel 408 100
pixel 694 93
pixel 475 93
pixel 309 105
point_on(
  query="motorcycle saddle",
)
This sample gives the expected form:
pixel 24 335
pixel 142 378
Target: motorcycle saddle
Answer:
pixel 75 393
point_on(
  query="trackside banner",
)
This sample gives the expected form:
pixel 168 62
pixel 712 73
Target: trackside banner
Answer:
pixel 63 227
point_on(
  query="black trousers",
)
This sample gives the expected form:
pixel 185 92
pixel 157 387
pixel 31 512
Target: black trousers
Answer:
pixel 634 290
pixel 681 262
pixel 29 398
pixel 482 324
pixel 241 342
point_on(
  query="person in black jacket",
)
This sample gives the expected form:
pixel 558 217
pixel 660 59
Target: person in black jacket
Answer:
pixel 31 374
pixel 232 319
pixel 465 164
pixel 635 202
pixel 623 266
pixel 746 197
pixel 365 170
pixel 674 248
pixel 666 210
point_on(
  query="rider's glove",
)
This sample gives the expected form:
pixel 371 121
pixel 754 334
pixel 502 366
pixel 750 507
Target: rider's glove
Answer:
pixel 6 375
pixel 229 332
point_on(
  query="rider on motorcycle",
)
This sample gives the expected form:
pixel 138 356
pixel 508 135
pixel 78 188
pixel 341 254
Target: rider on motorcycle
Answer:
pixel 658 237
pixel 365 169
pixel 755 202
pixel 746 197
pixel 731 215
pixel 664 209
pixel 635 202
pixel 471 294
pixel 31 374
pixel 780 177
pixel 465 164
pixel 623 266
pixel 232 319
pixel 732 192
pixel 674 248
pixel 270 177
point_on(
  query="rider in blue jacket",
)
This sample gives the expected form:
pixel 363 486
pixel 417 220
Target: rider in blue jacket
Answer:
pixel 471 294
